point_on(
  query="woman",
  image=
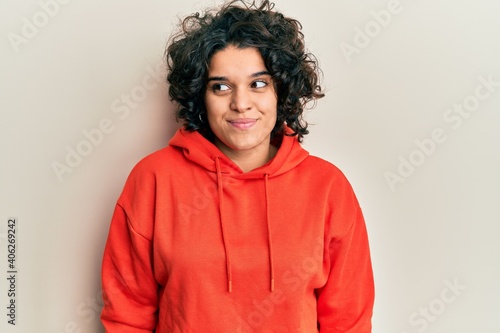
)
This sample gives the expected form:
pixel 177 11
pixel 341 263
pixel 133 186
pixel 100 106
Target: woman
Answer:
pixel 234 227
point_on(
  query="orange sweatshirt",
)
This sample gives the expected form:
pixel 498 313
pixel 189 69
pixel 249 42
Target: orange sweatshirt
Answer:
pixel 198 246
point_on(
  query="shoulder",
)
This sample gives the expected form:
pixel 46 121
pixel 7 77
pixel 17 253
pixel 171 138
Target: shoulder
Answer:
pixel 343 206
pixel 328 176
pixel 324 169
pixel 144 176
pixel 157 161
pixel 159 164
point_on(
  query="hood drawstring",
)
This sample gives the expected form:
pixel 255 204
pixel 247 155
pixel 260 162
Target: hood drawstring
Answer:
pixel 269 242
pixel 224 241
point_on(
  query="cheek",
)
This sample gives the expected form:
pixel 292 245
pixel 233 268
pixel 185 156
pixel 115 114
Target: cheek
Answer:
pixel 271 107
pixel 214 114
pixel 208 102
pixel 210 107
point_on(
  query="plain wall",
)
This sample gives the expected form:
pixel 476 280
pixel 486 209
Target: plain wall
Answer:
pixel 411 115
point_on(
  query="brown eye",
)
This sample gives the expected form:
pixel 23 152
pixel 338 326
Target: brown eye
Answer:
pixel 220 87
pixel 259 84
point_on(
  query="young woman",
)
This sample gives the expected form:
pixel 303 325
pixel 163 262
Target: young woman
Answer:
pixel 234 227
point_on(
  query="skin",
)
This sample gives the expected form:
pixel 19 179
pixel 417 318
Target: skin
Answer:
pixel 241 106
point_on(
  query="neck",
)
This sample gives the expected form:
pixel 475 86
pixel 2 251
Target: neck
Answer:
pixel 247 160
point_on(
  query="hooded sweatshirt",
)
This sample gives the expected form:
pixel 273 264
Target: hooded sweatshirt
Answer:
pixel 197 245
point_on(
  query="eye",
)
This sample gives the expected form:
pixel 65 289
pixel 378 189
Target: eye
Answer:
pixel 259 84
pixel 220 87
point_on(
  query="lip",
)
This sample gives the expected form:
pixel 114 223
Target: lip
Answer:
pixel 243 123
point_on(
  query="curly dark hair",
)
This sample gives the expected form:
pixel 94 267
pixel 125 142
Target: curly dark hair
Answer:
pixel 280 42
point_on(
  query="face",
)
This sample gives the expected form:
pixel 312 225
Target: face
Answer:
pixel 240 100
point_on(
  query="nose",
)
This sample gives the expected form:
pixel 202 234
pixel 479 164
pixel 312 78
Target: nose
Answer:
pixel 241 100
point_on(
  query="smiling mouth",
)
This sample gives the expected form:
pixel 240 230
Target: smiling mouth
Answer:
pixel 242 123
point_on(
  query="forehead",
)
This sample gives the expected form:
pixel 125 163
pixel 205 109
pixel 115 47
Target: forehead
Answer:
pixel 233 60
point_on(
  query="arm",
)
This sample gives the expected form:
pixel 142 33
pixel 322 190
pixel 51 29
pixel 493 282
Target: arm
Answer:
pixel 345 303
pixel 130 291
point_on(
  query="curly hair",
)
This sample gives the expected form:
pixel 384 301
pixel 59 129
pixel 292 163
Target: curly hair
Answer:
pixel 278 39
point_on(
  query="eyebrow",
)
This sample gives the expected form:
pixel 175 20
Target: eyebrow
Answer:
pixel 225 78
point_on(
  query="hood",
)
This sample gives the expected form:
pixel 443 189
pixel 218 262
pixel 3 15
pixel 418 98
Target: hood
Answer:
pixel 201 151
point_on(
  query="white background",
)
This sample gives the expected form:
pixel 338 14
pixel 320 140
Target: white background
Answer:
pixel 436 226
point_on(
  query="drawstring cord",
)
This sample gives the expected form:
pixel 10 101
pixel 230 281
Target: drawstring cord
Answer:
pixel 269 242
pixel 224 241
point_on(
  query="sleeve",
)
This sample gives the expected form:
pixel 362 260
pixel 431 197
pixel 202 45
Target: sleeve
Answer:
pixel 130 291
pixel 345 303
